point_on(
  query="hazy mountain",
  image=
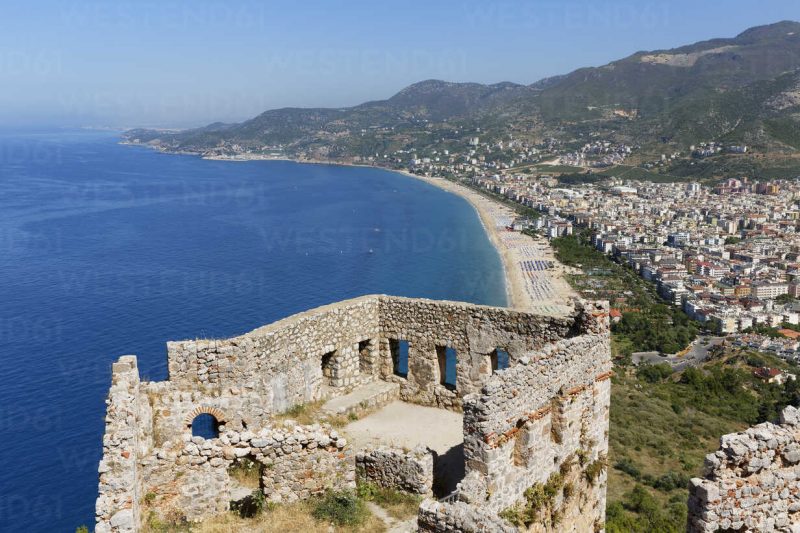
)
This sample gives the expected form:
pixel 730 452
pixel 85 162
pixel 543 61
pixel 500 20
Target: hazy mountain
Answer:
pixel 742 88
pixel 657 81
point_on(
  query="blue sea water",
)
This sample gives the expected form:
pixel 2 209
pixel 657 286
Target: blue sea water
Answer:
pixel 108 250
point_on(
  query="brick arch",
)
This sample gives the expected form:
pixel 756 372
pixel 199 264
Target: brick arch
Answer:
pixel 203 409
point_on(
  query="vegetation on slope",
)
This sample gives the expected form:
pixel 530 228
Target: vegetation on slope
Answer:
pixel 663 423
pixel 730 90
pixel 338 512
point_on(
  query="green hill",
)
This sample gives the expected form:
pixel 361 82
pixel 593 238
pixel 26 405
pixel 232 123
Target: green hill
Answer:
pixel 740 89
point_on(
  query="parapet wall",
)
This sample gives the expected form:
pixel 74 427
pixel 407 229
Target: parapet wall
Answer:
pixel 409 471
pixel 752 483
pixel 555 385
pixel 546 415
pixel 276 367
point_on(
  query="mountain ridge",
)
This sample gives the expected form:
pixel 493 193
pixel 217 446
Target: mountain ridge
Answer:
pixel 689 93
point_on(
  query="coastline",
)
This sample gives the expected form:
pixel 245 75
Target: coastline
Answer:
pixel 542 291
pixel 493 217
pixel 515 295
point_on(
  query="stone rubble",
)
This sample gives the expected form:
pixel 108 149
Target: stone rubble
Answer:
pixel 752 483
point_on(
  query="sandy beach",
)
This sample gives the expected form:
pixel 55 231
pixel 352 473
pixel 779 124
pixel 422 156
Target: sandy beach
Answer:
pixel 534 278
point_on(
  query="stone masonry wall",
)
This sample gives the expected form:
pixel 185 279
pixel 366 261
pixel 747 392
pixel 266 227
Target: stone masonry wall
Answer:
pixel 752 483
pixel 295 461
pixel 409 471
pixel 556 385
pixel 458 517
pixel 475 332
pixel 515 437
pixel 126 439
pixel 276 367
pixel 277 353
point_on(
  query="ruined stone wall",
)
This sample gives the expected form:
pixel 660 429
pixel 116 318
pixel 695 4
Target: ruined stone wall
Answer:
pixel 556 386
pixel 409 471
pixel 315 463
pixel 752 483
pixel 126 439
pixel 295 462
pixel 475 332
pixel 459 517
pixel 547 415
pixel 277 366
pixel 273 368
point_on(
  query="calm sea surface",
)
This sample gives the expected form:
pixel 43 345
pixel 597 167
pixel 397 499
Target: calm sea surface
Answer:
pixel 108 250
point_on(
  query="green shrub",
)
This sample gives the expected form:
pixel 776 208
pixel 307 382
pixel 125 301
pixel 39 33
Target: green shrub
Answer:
pixel 671 481
pixel 81 529
pixel 250 506
pixel 640 512
pixel 654 373
pixel 342 508
pixel 627 466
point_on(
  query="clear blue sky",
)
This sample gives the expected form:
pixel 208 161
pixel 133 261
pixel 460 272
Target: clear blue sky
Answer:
pixel 184 63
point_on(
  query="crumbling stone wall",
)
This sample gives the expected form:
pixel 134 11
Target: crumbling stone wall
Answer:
pixel 296 461
pixel 409 471
pixel 278 366
pixel 752 483
pixel 475 332
pixel 538 417
pixel 127 438
pixel 313 463
pixel 457 517
pixel 558 366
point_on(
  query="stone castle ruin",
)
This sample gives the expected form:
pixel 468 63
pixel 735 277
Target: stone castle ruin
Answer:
pixel 752 482
pixel 521 400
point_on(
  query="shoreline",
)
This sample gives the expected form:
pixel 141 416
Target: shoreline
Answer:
pixel 555 294
pixel 492 214
pixel 514 292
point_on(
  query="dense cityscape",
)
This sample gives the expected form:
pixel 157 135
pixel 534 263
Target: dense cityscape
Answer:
pixel 727 254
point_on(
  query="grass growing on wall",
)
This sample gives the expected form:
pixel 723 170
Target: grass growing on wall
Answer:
pixel 312 413
pixel 303 413
pixel 246 473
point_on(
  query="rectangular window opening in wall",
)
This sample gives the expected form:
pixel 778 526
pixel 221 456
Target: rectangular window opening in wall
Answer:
pixel 365 356
pixel 500 360
pixel 399 350
pixel 447 366
pixel 327 365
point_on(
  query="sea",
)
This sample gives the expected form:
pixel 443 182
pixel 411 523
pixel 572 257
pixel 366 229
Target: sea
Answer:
pixel 107 250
